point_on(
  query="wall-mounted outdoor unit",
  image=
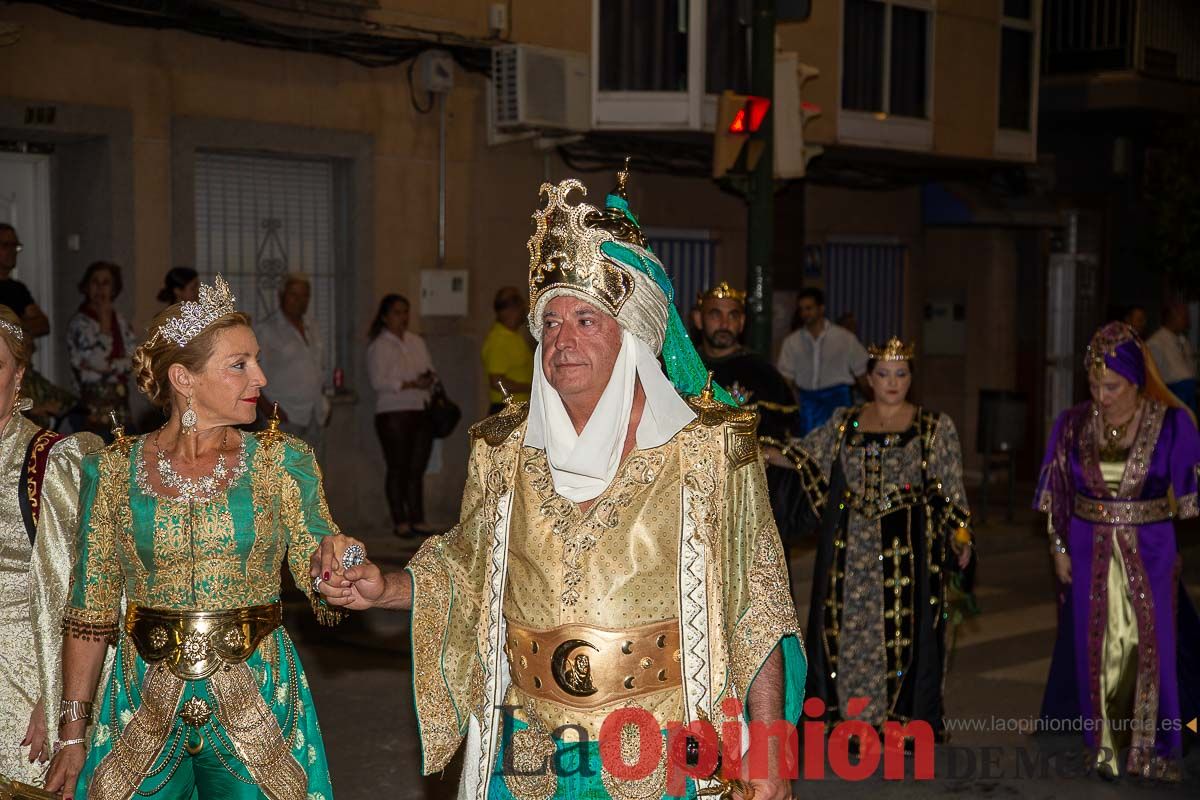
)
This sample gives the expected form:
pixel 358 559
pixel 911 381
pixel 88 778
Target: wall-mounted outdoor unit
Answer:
pixel 537 88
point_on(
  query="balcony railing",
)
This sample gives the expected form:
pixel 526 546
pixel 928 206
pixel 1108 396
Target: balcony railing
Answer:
pixel 1156 38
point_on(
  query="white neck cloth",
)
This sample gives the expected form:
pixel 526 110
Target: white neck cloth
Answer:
pixel 583 465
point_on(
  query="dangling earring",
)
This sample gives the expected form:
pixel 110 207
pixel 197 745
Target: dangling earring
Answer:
pixel 188 419
pixel 20 404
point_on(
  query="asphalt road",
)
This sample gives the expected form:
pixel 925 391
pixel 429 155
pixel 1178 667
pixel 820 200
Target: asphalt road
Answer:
pixel 361 680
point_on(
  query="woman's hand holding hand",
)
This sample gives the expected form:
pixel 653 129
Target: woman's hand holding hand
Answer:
pixel 355 588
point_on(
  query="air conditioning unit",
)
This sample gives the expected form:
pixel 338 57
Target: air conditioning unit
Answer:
pixel 537 88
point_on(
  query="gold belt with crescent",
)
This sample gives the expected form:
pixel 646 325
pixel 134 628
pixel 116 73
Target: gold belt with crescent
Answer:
pixel 585 667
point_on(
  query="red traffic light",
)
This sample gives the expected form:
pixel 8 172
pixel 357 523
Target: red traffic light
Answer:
pixel 750 116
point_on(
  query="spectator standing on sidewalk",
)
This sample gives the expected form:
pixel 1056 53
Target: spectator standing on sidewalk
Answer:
pixel 1173 353
pixel 402 375
pixel 507 356
pixel 292 354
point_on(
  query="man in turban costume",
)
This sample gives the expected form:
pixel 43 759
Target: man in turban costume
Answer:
pixel 616 551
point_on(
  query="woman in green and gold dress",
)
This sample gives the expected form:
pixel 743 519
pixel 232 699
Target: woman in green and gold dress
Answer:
pixel 190 524
pixel 39 492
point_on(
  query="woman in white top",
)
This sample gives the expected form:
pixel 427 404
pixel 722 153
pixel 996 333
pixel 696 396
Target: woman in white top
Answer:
pixel 401 374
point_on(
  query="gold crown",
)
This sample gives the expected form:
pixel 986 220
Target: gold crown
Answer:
pixel 894 350
pixel 722 291
pixel 564 250
pixel 215 302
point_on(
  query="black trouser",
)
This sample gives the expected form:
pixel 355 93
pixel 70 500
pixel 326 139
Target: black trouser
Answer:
pixel 406 439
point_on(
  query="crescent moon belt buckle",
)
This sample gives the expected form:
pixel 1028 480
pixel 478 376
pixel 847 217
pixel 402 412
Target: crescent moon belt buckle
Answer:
pixel 572 669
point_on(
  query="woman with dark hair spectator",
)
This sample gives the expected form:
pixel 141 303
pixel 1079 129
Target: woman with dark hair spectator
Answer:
pixel 100 344
pixel 180 284
pixel 401 374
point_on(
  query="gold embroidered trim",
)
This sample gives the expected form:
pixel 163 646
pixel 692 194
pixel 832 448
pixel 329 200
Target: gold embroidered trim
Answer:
pixel 91 626
pixel 531 776
pixel 135 748
pixel 1124 512
pixel 653 785
pixel 254 732
pixel 433 598
pixel 578 531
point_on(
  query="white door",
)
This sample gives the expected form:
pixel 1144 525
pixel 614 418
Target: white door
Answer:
pixel 25 204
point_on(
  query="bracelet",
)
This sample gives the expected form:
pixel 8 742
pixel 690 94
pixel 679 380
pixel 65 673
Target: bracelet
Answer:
pixel 74 710
pixel 67 743
pixel 1057 545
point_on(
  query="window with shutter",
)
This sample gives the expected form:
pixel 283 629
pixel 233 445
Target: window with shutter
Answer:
pixel 261 217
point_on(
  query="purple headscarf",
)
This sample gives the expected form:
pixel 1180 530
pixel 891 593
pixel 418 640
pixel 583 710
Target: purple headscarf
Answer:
pixel 1118 348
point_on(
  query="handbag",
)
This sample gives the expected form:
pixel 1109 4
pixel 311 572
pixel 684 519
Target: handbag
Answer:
pixel 443 412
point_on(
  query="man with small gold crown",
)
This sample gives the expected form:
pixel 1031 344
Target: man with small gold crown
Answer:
pixel 616 560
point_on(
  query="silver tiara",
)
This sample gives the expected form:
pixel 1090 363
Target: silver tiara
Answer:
pixel 215 301
pixel 15 330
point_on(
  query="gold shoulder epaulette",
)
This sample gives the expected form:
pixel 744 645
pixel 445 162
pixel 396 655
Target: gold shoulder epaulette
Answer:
pixel 122 442
pixel 740 425
pixel 271 435
pixel 498 427
pixel 122 445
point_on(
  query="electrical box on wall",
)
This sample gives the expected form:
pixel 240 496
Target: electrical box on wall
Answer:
pixel 443 292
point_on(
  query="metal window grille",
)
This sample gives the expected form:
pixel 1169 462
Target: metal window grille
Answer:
pixel 690 260
pixel 259 218
pixel 867 280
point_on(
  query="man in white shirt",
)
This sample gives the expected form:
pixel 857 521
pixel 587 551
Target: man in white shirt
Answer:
pixel 821 361
pixel 293 359
pixel 1173 354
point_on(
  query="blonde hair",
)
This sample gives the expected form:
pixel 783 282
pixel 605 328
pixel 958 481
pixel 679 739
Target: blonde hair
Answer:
pixel 154 357
pixel 19 347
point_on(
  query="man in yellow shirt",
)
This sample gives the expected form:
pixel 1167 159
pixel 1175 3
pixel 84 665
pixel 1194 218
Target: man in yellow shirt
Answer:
pixel 507 356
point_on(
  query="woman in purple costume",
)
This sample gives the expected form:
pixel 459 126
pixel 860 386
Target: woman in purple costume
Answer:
pixel 1118 470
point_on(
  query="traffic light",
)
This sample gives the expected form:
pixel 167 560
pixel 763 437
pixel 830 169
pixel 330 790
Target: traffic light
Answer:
pixel 739 117
pixel 792 114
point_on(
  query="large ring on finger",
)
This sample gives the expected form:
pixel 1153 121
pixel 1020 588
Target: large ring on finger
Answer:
pixel 316 585
pixel 353 555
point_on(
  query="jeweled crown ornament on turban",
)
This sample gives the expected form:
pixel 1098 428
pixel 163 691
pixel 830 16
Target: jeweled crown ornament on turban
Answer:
pixel 602 258
pixel 214 302
pixel 722 291
pixel 894 350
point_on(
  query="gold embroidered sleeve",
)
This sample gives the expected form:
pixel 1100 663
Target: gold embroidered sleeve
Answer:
pixel 96 578
pixel 50 565
pixel 945 469
pixel 814 460
pixel 759 611
pixel 448 575
pixel 305 515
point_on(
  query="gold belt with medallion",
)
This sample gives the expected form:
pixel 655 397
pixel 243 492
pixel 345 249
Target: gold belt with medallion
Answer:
pixel 195 644
pixel 586 667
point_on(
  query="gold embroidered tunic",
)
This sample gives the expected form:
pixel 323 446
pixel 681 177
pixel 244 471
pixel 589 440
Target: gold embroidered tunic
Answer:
pixel 33 587
pixel 683 536
pixel 613 566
